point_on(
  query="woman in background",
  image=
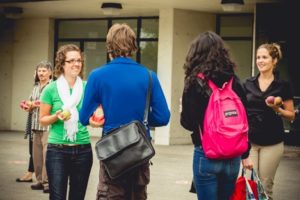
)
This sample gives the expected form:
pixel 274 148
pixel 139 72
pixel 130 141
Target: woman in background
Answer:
pixel 266 131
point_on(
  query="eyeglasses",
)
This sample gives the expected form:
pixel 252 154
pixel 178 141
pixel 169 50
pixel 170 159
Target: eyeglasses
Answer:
pixel 73 61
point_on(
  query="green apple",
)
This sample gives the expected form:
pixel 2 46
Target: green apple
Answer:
pixel 66 114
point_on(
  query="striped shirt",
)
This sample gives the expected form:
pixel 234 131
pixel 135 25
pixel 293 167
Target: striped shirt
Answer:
pixel 35 95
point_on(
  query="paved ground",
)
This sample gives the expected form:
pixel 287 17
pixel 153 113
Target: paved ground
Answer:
pixel 170 174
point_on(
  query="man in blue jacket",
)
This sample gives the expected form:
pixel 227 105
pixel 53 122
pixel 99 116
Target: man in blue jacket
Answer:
pixel 121 88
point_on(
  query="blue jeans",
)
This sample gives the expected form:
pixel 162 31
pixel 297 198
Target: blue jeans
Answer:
pixel 68 163
pixel 214 179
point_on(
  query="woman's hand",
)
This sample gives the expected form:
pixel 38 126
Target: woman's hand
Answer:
pixel 284 108
pixel 247 163
pixel 274 102
pixel 63 115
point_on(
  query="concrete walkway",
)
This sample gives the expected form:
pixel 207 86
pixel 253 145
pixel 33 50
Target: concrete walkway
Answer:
pixel 171 172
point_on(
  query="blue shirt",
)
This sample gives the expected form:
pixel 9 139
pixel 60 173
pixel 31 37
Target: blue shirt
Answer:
pixel 121 88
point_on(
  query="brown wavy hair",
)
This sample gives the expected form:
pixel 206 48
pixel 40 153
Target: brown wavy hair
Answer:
pixel 61 58
pixel 121 41
pixel 208 55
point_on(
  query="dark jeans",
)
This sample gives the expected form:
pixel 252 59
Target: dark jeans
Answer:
pixel 71 163
pixel 214 179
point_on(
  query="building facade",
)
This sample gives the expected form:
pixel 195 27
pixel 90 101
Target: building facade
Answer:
pixel 165 31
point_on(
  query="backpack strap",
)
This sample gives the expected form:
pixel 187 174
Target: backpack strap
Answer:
pixel 230 82
pixel 211 83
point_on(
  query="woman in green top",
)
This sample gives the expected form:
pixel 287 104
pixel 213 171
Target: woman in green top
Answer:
pixel 69 154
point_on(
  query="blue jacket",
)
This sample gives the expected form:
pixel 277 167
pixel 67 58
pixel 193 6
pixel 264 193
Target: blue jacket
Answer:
pixel 121 87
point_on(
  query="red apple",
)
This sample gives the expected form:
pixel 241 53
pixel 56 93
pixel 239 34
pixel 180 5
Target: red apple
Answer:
pixel 270 99
pixel 37 103
pixel 23 104
pixel 98 120
pixel 98 115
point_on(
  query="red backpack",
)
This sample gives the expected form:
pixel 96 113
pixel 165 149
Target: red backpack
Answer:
pixel 225 126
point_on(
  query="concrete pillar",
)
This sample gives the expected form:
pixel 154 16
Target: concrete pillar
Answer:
pixel 6 61
pixel 33 39
pixel 164 67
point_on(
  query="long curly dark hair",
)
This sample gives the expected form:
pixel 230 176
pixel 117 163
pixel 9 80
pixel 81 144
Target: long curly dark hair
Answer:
pixel 208 55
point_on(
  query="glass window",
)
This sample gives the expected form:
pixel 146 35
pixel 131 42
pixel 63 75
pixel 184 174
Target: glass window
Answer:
pixel 236 30
pixel 95 56
pixel 149 54
pixel 242 60
pixel 59 44
pixel 149 28
pixel 233 26
pixel 90 36
pixel 82 29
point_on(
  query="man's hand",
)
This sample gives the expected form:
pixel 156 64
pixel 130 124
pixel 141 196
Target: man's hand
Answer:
pixel 26 105
pixel 97 119
pixel 96 124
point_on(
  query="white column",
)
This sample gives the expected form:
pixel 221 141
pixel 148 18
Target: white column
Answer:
pixel 164 67
pixel 31 45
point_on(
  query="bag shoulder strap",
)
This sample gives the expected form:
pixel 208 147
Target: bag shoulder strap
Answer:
pixel 212 84
pixel 145 121
pixel 200 80
pixel 228 85
pixel 230 82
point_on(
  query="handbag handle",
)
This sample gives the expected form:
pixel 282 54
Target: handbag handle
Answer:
pixel 145 121
pixel 252 173
pixel 261 191
pixel 249 191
